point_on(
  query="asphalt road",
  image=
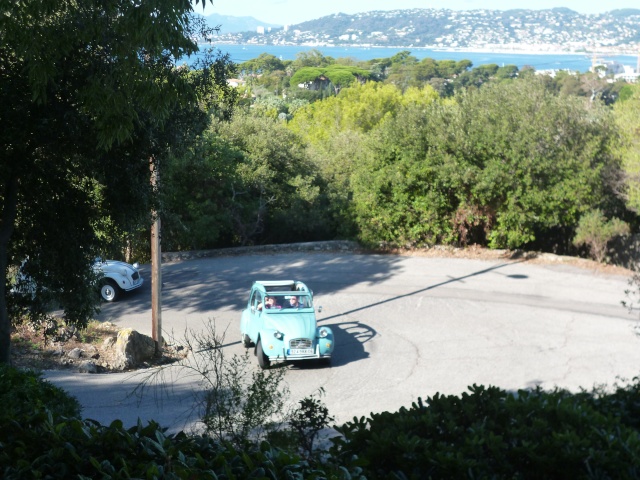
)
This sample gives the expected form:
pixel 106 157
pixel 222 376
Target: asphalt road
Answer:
pixel 405 327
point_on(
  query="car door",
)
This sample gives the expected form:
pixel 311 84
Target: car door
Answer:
pixel 255 316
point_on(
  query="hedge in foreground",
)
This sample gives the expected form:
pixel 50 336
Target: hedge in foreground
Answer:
pixel 491 433
pixel 23 394
pixel 487 433
pixel 42 436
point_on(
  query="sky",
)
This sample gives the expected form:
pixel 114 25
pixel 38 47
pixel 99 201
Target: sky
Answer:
pixel 287 12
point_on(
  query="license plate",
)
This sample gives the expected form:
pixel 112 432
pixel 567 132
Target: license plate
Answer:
pixel 301 351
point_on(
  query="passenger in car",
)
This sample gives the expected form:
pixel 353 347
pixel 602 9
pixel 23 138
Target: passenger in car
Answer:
pixel 269 303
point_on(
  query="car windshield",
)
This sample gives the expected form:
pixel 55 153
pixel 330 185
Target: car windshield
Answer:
pixel 283 302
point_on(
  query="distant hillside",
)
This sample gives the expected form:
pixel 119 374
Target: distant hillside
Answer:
pixel 551 29
pixel 230 24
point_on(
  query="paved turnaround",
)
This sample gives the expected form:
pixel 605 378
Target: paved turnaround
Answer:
pixel 405 327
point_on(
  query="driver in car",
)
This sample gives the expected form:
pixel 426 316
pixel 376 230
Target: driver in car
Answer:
pixel 294 303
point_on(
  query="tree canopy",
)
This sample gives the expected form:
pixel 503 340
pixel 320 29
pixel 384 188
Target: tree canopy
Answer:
pixel 497 166
pixel 85 90
pixel 338 75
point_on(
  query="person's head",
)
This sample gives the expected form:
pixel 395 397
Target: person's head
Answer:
pixel 293 301
pixel 269 300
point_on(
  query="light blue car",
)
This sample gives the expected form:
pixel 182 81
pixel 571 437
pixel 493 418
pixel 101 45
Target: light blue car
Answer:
pixel 280 324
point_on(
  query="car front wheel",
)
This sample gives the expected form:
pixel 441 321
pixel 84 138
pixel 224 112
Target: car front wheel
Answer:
pixel 109 291
pixel 246 341
pixel 263 360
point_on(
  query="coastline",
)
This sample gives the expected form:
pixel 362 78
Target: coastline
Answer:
pixel 538 57
pixel 544 49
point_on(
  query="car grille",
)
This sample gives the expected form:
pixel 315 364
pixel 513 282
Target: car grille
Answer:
pixel 135 275
pixel 300 343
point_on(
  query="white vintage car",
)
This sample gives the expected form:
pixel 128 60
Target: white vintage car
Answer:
pixel 116 277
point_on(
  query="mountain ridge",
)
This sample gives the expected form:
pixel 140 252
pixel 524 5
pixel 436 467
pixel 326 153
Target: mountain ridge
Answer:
pixel 233 24
pixel 557 28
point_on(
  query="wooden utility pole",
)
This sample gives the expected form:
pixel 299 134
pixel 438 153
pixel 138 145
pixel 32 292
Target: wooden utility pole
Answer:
pixel 156 263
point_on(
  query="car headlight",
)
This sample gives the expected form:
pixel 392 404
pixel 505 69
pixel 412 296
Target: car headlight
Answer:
pixel 323 332
pixel 278 335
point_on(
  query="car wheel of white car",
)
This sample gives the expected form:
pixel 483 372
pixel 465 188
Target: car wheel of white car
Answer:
pixel 109 291
pixel 263 360
pixel 246 341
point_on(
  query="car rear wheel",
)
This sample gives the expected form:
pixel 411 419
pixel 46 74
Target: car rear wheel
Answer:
pixel 263 360
pixel 109 291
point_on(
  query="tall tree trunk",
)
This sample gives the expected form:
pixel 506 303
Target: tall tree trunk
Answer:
pixel 7 219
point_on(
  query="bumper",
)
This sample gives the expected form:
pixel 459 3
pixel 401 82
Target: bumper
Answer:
pixel 136 284
pixel 285 354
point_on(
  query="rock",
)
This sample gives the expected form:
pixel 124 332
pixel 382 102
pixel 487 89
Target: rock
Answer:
pixel 87 367
pixel 132 349
pixel 75 353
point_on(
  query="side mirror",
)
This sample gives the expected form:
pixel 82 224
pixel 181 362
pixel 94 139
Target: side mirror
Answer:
pixel 320 309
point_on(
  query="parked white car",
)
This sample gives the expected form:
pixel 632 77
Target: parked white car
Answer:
pixel 117 277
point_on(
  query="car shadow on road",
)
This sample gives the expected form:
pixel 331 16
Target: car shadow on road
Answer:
pixel 350 338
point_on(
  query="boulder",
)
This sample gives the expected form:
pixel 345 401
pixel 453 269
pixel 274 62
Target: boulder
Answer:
pixel 87 366
pixel 75 354
pixel 133 349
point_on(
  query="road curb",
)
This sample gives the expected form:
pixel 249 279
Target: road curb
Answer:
pixel 311 247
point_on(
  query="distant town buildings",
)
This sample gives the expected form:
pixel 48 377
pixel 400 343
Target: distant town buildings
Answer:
pixel 611 70
pixel 614 71
pixel 544 31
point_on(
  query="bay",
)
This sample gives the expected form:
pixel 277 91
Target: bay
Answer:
pixel 539 61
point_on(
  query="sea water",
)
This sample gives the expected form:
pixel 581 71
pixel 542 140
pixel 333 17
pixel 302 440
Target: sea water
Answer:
pixel 539 61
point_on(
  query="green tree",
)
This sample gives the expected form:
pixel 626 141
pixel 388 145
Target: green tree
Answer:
pixel 84 88
pixel 311 58
pixel 595 231
pixel 248 182
pixel 627 119
pixel 335 130
pixel 264 63
pixel 478 76
pixel 338 76
pixel 507 72
pixel 357 108
pixel 500 166
pixel 308 75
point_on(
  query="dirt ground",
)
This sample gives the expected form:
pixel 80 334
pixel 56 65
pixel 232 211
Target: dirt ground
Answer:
pixel 67 347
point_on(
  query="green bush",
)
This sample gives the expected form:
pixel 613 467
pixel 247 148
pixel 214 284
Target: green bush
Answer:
pixel 486 433
pixel 43 436
pixel 595 231
pixel 84 449
pixel 24 395
pixel 491 433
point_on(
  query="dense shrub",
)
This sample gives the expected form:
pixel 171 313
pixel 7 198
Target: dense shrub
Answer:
pixel 491 433
pixel 486 433
pixel 24 396
pixel 84 449
pixel 42 436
